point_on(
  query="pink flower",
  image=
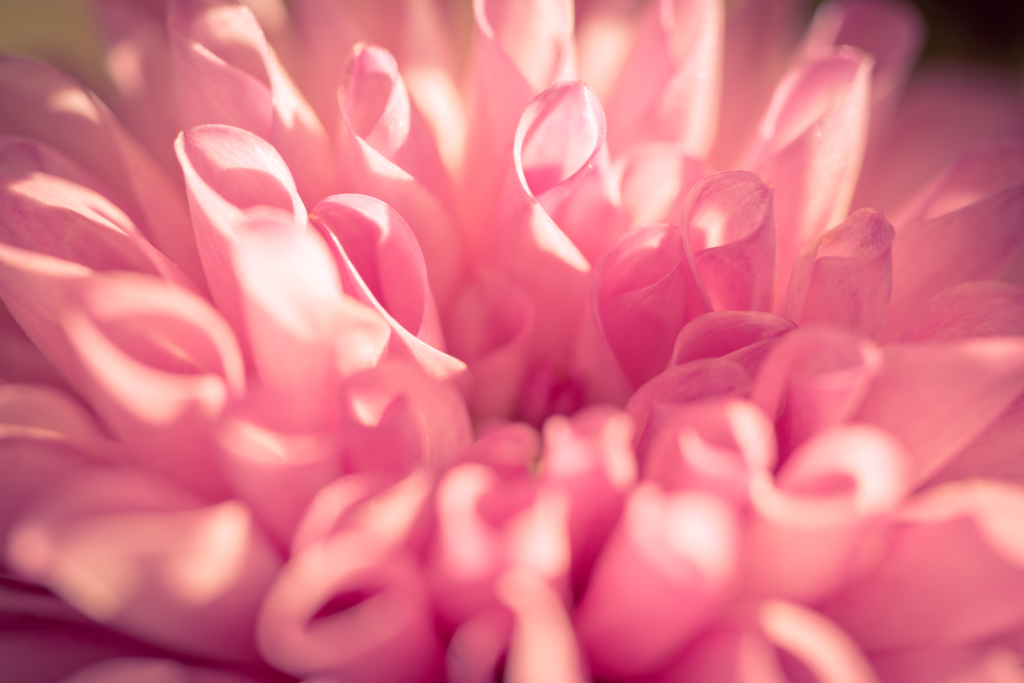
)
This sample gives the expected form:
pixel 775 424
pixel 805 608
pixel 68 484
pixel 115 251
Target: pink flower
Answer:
pixel 387 342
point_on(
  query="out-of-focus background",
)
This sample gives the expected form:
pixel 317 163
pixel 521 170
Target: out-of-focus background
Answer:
pixel 61 31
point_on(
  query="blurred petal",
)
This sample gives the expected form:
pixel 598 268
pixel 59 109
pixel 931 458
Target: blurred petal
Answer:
pixel 654 179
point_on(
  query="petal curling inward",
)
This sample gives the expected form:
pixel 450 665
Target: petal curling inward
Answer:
pixel 670 85
pixel 229 172
pixel 666 570
pixel 387 152
pixel 381 265
pixel 953 573
pixel 937 398
pixel 160 366
pixel 814 379
pixel 809 146
pixel 809 526
pixel 844 278
pixel 148 559
pixel 644 290
pixel 743 337
pixel 728 217
pixel 37 101
pixel 226 73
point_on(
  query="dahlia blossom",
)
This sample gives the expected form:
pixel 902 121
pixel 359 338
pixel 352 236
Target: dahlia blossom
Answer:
pixel 410 341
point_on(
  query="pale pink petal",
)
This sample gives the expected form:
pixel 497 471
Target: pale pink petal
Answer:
pixel 387 152
pixel 938 398
pixel 153 670
pixel 228 172
pixel 562 162
pixel 654 179
pixel 159 365
pixel 972 309
pixel 488 325
pixel 953 572
pixel 712 446
pixel 43 104
pixel 728 217
pixel 670 84
pixel 946 111
pixel 51 215
pixel 810 525
pixel 951 249
pixel 498 90
pixel 395 417
pixel 138 62
pixel 644 291
pixel 975 663
pixel 381 265
pixel 662 575
pixel 844 278
pixel 687 383
pixel 979 173
pixel 21 360
pixel 477 646
pixel 146 558
pixel 590 457
pixel 605 31
pixel 814 379
pixel 21 157
pixel 809 145
pixel 351 607
pixel 720 333
pixel 543 645
pixel 226 73
pixel 893 33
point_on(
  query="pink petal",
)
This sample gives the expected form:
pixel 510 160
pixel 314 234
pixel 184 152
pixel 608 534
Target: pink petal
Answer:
pixel 720 333
pixel 728 217
pixel 228 172
pixel 759 40
pixel 844 278
pixel 937 398
pixel 44 655
pixel 350 607
pixel 979 173
pixel 395 417
pixel 152 670
pixel 687 383
pixel 670 85
pixel 952 573
pixel 227 74
pixel 477 646
pixel 543 646
pixel 822 104
pixel 488 325
pixel 948 250
pixel 590 457
pixel 809 527
pixel 387 152
pixel 662 575
pixel 814 379
pixel 654 179
pixel 43 104
pixel 946 111
pixel 948 664
pixel 972 309
pixel 644 291
pixel 506 71
pixel 712 446
pixel 381 265
pixel 148 559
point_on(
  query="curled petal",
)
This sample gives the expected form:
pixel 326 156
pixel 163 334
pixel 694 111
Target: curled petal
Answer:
pixel 670 84
pixel 809 146
pixel 728 217
pixel 952 574
pixel 948 250
pixel 645 289
pixel 720 333
pixel 662 575
pixel 814 379
pixel 654 180
pixel 937 398
pixel 712 446
pixel 43 104
pixel 808 527
pixel 227 74
pixel 145 557
pixel 845 277
pixel 348 607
